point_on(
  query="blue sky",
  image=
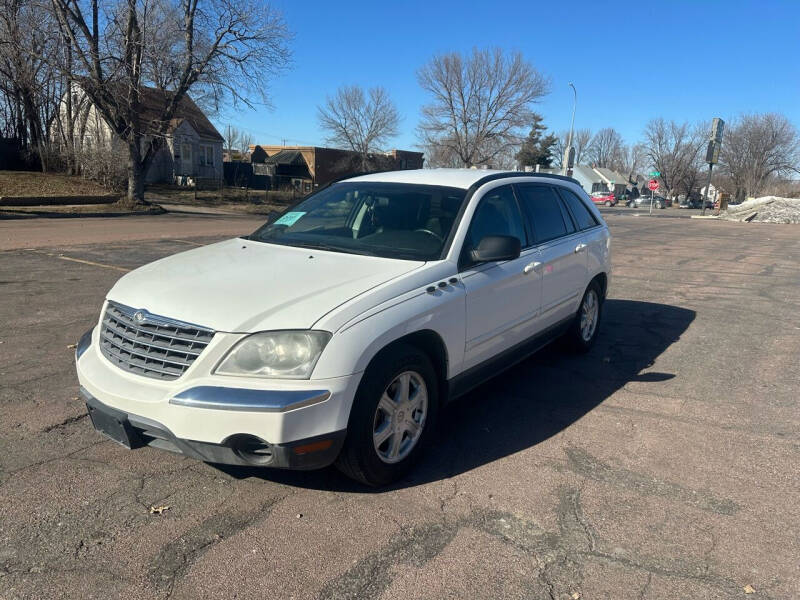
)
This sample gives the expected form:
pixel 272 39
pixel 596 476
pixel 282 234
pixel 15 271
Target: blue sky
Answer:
pixel 630 61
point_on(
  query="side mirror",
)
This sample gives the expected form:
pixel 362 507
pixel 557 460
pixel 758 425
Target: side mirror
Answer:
pixel 496 247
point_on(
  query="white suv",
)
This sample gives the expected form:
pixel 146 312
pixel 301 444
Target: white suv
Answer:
pixel 336 332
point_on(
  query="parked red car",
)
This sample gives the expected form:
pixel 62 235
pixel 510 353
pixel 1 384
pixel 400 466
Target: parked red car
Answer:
pixel 604 198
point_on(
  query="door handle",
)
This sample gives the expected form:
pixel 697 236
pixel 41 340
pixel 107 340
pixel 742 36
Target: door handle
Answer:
pixel 534 266
pixel 580 248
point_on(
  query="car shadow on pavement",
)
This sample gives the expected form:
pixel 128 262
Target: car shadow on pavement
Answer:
pixel 530 402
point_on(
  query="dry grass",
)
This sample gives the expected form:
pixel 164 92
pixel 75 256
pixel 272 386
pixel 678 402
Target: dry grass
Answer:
pixel 35 184
pixel 32 183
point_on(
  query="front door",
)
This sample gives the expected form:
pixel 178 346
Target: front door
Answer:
pixel 502 297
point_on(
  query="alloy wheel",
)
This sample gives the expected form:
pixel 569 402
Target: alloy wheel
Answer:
pixel 400 417
pixel 590 309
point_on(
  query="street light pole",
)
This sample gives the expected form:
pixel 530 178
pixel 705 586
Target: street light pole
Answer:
pixel 565 167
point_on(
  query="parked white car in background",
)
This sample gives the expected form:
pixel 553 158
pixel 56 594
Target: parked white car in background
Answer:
pixel 336 332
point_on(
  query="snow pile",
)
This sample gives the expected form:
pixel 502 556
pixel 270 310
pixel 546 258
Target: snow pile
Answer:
pixel 768 209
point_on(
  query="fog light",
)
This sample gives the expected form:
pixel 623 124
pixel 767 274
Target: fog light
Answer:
pixel 251 449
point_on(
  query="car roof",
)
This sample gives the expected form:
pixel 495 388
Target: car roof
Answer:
pixel 457 178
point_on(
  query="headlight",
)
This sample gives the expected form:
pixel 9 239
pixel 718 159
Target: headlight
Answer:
pixel 280 354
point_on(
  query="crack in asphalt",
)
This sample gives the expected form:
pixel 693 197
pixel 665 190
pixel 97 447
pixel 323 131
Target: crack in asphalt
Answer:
pixel 559 556
pixel 371 576
pixel 9 474
pixel 646 586
pixel 583 463
pixel 65 422
pixel 175 558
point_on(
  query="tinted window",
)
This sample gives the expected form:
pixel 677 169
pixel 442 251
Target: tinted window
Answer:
pixel 580 213
pixel 394 220
pixel 497 214
pixel 543 208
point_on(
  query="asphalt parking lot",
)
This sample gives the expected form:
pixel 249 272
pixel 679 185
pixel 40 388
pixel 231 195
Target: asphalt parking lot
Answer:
pixel 663 464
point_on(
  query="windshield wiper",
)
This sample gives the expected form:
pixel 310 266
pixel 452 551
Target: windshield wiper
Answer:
pixel 322 246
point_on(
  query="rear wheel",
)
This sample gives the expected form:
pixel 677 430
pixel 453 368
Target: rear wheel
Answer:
pixel 608 203
pixel 583 332
pixel 392 417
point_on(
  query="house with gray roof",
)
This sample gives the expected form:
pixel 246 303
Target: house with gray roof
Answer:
pixel 593 179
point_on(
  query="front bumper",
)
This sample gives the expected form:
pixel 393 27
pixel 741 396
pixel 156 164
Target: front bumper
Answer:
pixel 133 431
pixel 207 416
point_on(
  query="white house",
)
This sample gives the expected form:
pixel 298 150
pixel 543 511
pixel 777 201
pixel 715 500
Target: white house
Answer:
pixel 193 148
pixel 593 179
pixel 713 192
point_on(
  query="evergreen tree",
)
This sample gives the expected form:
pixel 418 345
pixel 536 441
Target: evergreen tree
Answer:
pixel 537 147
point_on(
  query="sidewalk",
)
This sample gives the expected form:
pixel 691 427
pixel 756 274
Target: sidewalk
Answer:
pixel 39 233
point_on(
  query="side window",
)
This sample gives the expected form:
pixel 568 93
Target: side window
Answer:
pixel 543 209
pixel 497 214
pixel 583 218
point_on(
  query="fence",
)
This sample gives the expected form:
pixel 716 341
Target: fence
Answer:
pixel 239 173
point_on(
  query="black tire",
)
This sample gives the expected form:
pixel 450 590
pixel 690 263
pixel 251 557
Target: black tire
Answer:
pixel 359 458
pixel 608 202
pixel 576 338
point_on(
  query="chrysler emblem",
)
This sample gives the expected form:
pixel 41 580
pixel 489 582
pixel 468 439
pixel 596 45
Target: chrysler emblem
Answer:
pixel 139 316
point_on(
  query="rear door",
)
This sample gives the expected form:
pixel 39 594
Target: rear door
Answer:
pixel 502 298
pixel 561 249
pixel 593 233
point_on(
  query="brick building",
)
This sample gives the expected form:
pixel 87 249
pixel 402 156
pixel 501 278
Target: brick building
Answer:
pixel 307 167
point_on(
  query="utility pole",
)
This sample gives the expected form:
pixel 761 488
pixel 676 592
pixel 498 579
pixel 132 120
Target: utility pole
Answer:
pixel 712 153
pixel 568 152
pixel 708 185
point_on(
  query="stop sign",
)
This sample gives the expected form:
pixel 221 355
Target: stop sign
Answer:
pixel 652 184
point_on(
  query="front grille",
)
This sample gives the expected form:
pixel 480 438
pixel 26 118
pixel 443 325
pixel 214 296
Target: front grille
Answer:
pixel 148 344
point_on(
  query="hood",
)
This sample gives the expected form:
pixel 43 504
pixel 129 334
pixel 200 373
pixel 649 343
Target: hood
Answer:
pixel 243 286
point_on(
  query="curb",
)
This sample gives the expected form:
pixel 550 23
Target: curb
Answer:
pixel 56 215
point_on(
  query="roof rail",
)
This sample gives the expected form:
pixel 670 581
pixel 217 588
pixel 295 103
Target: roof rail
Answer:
pixel 495 176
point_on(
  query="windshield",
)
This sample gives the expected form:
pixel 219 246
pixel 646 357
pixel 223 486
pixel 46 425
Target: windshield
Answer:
pixel 391 220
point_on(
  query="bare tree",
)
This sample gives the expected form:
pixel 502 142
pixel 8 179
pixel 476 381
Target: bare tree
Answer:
pixel 245 141
pixel 30 87
pixel 231 138
pixel 440 156
pixel 605 149
pixel 759 148
pixel 223 48
pixel 580 141
pixel 673 150
pixel 480 103
pixel 359 122
pixel 632 160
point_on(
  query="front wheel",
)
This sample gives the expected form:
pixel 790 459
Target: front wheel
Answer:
pixel 392 417
pixel 583 331
pixel 608 202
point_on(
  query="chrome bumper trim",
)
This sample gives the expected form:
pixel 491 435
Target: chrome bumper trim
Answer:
pixel 83 344
pixel 223 398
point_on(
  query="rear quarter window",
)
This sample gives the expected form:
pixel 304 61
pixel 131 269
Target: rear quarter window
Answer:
pixel 583 218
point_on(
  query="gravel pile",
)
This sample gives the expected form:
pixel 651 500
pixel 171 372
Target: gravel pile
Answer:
pixel 768 209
